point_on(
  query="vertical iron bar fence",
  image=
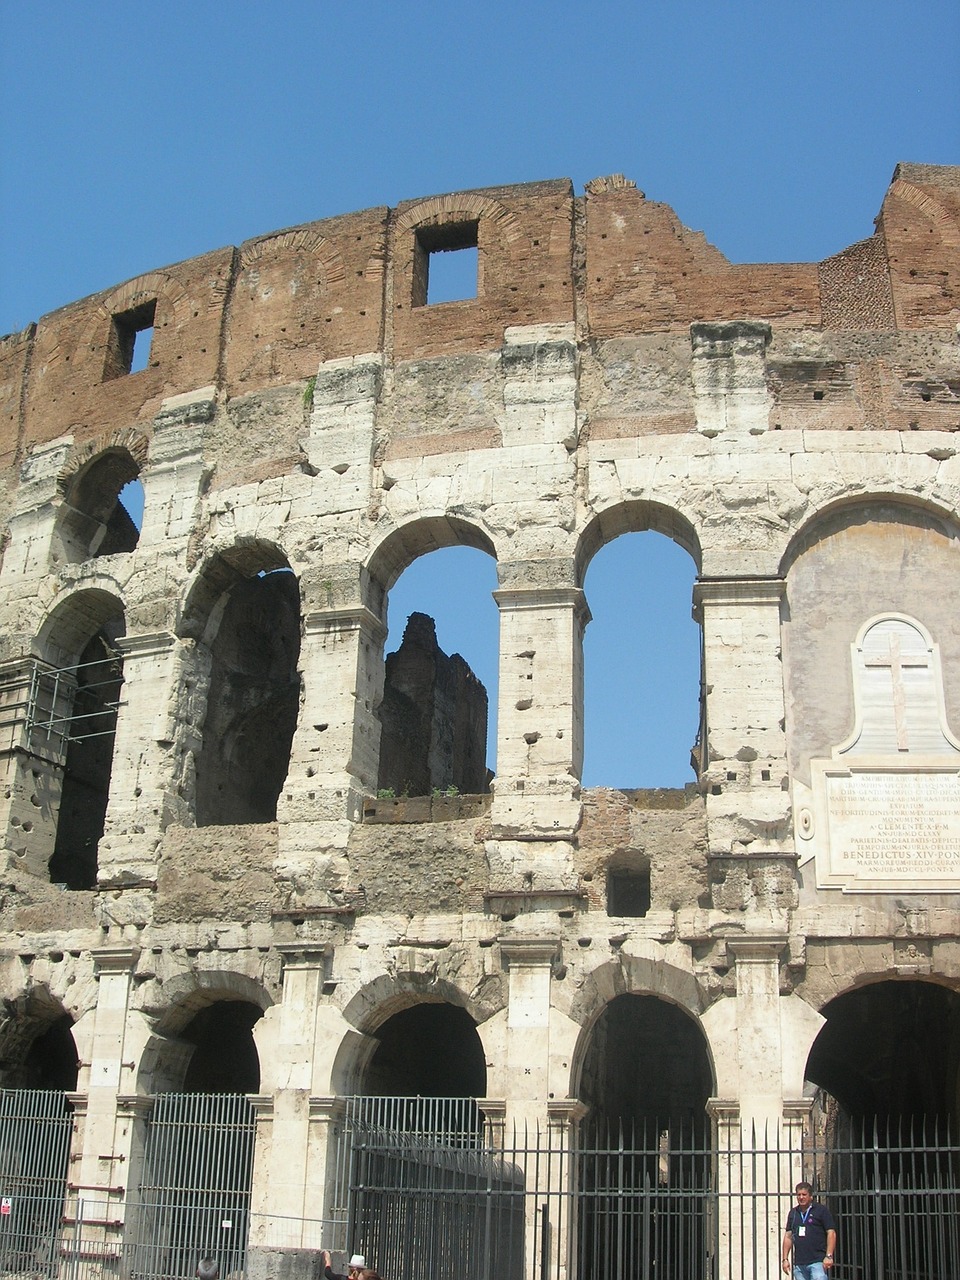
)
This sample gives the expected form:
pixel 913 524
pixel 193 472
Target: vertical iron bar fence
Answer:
pixel 658 1202
pixel 35 1130
pixel 194 1198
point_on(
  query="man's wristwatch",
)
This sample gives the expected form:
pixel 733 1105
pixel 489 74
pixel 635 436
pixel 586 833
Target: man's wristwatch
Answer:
pixel 828 1255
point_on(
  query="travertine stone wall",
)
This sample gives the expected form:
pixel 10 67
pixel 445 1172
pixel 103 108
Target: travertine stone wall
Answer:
pixel 794 428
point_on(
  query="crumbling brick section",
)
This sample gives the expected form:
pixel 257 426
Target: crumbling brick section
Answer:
pixel 855 288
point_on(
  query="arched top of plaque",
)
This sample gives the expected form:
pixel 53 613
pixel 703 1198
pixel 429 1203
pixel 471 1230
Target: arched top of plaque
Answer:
pixel 897 692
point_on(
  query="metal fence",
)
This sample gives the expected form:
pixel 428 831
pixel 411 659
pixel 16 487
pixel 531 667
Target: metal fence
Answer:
pixel 653 1202
pixel 194 1196
pixel 433 1186
pixel 35 1130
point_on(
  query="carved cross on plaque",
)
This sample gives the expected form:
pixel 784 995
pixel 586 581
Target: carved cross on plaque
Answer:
pixel 896 661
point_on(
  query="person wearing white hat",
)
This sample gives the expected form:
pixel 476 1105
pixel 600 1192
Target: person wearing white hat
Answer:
pixel 356 1264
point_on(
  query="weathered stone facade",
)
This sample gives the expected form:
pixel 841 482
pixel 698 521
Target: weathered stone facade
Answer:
pixel 305 408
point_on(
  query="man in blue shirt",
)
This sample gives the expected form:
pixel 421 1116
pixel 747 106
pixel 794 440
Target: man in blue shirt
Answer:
pixel 810 1236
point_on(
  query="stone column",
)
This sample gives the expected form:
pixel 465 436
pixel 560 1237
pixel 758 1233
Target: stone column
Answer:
pixel 744 763
pixel 335 751
pixel 143 779
pixel 297 1133
pixel 104 1141
pixel 540 722
pixel 753 1162
pixel 530 963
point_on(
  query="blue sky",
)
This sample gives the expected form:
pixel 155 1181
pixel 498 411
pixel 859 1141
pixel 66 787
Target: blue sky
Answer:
pixel 136 135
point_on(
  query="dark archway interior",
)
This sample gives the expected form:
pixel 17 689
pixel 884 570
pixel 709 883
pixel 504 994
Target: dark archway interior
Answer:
pixel 225 1059
pixel 647 1064
pixel 252 704
pixel 891 1050
pixel 430 1051
pixel 51 1061
pixel 88 762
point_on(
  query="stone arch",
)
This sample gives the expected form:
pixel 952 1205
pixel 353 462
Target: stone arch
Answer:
pixel 91 521
pixel 403 544
pixel 221 569
pixel 243 611
pixel 648 974
pixel 890 504
pixel 889 1049
pixel 636 516
pixel 382 999
pixel 168 1051
pixel 74 617
pixel 433 710
pixel 637 564
pixel 63 783
pixel 643 1055
pixel 36 1041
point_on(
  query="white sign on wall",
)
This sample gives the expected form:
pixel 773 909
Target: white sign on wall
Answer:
pixel 883 813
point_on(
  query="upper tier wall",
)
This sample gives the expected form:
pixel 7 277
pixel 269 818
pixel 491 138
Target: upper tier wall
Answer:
pixel 614 263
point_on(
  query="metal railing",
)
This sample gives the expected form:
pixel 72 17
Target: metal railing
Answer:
pixel 432 1186
pixel 42 708
pixel 35 1131
pixel 651 1202
pixel 194 1197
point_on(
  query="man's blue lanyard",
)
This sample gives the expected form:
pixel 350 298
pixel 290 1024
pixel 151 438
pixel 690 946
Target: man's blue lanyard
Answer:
pixel 805 1216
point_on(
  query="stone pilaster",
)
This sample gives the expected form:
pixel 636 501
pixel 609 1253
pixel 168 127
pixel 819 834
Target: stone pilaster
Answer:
pixel 335 751
pixel 142 781
pixel 105 1141
pixel 530 962
pixel 540 725
pixel 729 382
pixel 744 767
pixel 293 1130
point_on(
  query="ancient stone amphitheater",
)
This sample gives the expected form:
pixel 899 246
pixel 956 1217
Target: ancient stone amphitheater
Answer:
pixel 254 1005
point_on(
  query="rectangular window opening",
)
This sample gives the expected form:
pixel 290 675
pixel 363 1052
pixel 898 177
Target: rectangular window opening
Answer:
pixel 131 338
pixel 446 264
pixel 628 892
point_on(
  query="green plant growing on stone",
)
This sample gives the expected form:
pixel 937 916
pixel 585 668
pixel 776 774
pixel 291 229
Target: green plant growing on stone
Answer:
pixel 308 392
pixel 386 793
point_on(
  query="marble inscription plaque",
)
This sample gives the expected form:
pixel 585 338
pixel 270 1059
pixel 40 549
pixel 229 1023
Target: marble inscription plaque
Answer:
pixel 882 828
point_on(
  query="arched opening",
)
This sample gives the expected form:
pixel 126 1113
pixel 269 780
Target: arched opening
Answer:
pixel 890 1053
pixel 440 687
pixel 642 663
pixel 89 760
pixel 224 1058
pixel 427 1051
pixel 245 611
pixel 198 1144
pixel 102 509
pixel 647 1064
pixel 36 1124
pixel 63 775
pixel 411 1131
pixel 887 1068
pixel 645 1161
